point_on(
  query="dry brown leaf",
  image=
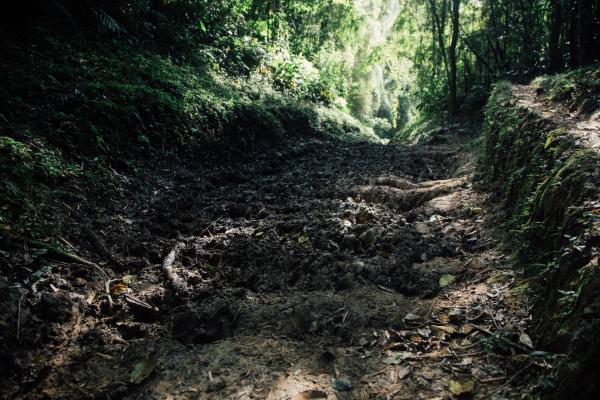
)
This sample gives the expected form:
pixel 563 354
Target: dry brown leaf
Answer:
pixel 526 340
pixel 442 329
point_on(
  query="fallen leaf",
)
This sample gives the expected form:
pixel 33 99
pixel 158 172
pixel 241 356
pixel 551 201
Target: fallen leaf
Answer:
pixel 118 289
pixel 526 340
pixel 457 388
pixel 128 279
pixel 425 332
pixel 446 279
pixel 404 371
pixel 412 317
pixel 466 329
pixel 442 329
pixel 303 238
pixel 142 370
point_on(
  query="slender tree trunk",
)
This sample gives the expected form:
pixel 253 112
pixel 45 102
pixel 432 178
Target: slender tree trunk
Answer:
pixel 588 47
pixel 452 57
pixel 438 26
pixel 573 37
pixel 555 54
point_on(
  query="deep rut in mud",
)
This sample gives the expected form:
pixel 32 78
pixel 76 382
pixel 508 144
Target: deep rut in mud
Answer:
pixel 307 273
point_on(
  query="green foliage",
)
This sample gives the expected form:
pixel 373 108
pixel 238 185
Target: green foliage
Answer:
pixel 32 158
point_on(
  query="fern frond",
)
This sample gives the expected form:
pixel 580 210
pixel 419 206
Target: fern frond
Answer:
pixel 108 23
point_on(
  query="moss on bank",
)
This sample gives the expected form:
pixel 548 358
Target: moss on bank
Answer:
pixel 548 187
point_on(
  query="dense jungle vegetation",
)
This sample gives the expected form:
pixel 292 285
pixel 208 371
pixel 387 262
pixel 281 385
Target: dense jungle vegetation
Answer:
pixel 280 198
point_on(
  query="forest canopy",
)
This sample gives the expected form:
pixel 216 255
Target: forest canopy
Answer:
pixel 386 61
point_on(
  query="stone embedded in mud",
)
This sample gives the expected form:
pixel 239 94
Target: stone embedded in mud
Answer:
pixel 341 384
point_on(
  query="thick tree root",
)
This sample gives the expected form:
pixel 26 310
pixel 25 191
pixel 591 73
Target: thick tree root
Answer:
pixel 404 195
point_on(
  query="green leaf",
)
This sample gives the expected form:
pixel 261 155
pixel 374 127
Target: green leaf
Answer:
pixel 142 370
pixel 447 279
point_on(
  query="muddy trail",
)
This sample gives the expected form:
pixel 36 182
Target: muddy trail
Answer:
pixel 319 269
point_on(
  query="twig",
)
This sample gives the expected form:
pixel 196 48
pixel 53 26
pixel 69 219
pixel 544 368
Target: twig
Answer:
pixel 442 356
pixel 431 309
pixel 67 243
pixel 508 382
pixel 108 296
pixel 492 380
pixel 19 316
pixel 175 280
pixel 385 289
pixel 344 317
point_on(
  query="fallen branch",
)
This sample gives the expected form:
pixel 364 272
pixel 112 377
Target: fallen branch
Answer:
pixel 175 280
pixel 442 356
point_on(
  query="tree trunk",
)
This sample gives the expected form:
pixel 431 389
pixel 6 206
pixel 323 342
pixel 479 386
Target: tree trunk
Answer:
pixel 452 57
pixel 588 48
pixel 573 37
pixel 555 54
pixel 438 26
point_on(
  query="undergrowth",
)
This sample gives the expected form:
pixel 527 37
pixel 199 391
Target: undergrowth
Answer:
pixel 73 107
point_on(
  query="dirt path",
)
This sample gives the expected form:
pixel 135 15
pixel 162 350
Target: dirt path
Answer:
pixel 321 269
pixel 581 124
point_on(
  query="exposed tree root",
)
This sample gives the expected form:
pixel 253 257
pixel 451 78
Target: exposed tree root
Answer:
pixel 404 195
pixel 177 283
pixel 61 255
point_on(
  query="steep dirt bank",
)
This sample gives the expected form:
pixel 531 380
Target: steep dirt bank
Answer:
pixel 316 269
pixel 542 161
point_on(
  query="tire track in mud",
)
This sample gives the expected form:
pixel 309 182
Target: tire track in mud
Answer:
pixel 301 266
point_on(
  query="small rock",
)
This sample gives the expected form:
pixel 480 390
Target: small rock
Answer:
pixel 341 384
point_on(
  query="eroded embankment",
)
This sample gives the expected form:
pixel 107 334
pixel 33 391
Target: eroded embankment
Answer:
pixel 546 179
